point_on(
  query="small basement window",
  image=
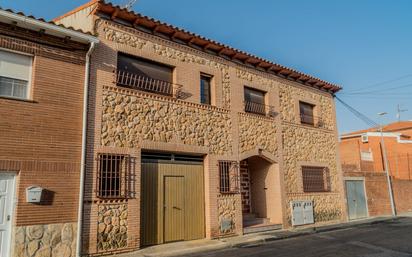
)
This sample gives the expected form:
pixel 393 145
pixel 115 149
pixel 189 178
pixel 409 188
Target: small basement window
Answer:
pixel 15 73
pixel 229 177
pixel 114 175
pixel 315 179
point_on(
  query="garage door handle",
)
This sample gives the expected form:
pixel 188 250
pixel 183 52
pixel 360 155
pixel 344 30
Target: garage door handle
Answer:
pixel 177 208
pixel 8 217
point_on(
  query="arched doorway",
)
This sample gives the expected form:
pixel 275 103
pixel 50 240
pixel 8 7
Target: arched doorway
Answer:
pixel 261 194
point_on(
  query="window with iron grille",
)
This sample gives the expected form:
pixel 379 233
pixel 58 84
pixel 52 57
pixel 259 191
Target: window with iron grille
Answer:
pixel 315 179
pixel 229 177
pixel 145 75
pixel 114 176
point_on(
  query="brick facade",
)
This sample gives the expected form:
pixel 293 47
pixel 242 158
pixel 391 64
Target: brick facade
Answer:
pixel 399 154
pixel 41 141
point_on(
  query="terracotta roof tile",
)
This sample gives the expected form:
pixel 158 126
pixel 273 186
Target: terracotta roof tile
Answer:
pixel 43 20
pixel 392 127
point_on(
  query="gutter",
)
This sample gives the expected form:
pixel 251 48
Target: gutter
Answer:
pixel 83 152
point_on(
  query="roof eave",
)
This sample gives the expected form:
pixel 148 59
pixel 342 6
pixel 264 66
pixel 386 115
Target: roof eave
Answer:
pixel 49 28
pixel 192 39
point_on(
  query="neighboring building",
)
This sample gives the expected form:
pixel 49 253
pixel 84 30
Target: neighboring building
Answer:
pixel 42 67
pixel 362 160
pixel 189 138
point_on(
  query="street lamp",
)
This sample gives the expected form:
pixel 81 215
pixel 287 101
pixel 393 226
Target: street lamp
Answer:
pixel 385 161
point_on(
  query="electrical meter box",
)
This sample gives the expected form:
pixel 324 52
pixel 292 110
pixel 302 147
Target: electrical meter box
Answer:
pixel 302 212
pixel 33 194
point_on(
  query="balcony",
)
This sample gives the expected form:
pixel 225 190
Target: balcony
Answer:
pixel 147 84
pixel 311 120
pixel 260 109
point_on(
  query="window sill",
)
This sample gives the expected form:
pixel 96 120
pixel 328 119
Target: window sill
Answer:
pixel 17 99
pixel 308 124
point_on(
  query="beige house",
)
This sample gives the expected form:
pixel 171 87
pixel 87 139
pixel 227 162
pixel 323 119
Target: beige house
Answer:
pixel 189 138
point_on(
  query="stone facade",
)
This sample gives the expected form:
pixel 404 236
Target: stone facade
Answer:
pixel 127 121
pixel 289 99
pixel 112 227
pixel 257 133
pixel 227 214
pixel 129 118
pixel 53 240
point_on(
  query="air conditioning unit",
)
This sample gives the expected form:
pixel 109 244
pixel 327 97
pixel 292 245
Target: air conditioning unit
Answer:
pixel 365 138
pixel 302 212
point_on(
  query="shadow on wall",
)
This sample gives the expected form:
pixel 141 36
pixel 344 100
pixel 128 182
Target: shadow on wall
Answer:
pixel 47 197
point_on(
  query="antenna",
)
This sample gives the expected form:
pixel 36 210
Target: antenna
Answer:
pixel 130 4
pixel 398 114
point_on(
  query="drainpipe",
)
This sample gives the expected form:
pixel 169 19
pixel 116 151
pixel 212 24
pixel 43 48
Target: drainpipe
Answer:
pixel 84 141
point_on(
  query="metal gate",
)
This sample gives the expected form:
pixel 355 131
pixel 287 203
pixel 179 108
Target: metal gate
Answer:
pixel 172 205
pixel 355 193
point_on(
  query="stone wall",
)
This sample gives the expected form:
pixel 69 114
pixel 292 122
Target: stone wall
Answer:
pixel 317 147
pixel 257 132
pixel 326 206
pixel 289 98
pixel 112 227
pixel 227 213
pixel 307 145
pixel 53 240
pixel 121 35
pixel 129 118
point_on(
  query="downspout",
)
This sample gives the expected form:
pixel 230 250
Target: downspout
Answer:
pixel 83 154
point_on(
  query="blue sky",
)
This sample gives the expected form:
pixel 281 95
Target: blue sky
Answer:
pixel 365 46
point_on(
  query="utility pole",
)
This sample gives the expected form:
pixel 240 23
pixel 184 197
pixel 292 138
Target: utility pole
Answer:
pixel 399 110
pixel 385 161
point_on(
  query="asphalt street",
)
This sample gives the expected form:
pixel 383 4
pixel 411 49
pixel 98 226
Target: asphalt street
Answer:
pixel 390 238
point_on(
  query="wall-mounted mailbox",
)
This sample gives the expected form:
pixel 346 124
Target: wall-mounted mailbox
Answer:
pixel 33 194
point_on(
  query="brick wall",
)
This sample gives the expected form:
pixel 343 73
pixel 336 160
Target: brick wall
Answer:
pixel 377 195
pixel 41 137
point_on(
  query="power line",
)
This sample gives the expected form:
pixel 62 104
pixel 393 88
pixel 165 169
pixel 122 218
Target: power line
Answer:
pixel 381 83
pixel 378 91
pixel 382 97
pixel 358 114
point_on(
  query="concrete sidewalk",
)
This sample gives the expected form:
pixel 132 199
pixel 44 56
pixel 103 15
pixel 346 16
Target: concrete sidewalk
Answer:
pixel 203 245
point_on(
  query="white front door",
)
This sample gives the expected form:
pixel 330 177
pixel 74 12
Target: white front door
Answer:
pixel 6 209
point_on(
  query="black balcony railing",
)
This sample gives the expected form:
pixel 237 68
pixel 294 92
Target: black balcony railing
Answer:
pixel 259 108
pixel 147 84
pixel 311 120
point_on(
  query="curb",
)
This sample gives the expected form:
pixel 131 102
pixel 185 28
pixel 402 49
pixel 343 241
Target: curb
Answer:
pixel 305 232
pixel 266 237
